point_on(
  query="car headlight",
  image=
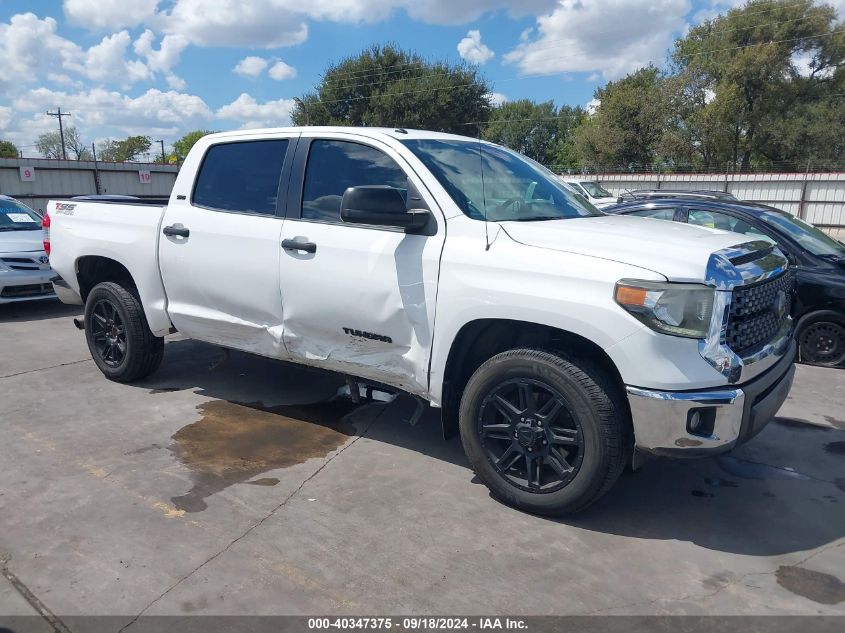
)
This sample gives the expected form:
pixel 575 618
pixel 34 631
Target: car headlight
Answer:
pixel 676 309
pixel 4 268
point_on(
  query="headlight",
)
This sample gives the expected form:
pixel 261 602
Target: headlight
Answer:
pixel 677 309
pixel 4 268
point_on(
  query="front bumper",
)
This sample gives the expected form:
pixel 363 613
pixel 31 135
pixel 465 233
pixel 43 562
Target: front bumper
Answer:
pixel 728 416
pixel 26 285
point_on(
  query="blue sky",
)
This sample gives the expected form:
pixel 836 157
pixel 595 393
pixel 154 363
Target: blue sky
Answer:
pixel 166 67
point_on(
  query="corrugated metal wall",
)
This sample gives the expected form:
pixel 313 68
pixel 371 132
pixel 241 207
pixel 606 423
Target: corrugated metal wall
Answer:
pixel 67 178
pixel 818 198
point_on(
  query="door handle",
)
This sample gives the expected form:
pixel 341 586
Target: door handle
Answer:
pixel 296 245
pixel 176 231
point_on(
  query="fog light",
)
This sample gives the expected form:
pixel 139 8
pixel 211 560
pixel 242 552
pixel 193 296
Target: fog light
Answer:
pixel 695 421
pixel 701 421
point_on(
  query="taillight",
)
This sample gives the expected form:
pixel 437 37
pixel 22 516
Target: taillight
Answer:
pixel 45 231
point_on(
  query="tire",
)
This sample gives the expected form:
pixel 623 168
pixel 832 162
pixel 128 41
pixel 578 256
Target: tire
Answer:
pixel 581 418
pixel 822 342
pixel 118 335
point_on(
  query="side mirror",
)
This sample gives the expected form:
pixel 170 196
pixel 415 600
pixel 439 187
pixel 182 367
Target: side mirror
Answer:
pixel 381 206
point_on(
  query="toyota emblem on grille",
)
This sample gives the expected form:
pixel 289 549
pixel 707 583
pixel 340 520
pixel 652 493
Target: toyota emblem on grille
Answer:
pixel 44 259
pixel 781 304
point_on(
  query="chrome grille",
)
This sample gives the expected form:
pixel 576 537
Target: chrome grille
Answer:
pixel 754 318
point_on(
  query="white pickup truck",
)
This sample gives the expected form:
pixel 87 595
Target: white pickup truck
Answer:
pixel 561 343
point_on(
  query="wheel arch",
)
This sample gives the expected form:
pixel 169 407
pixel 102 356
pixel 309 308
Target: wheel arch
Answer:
pixel 818 315
pixel 481 339
pixel 95 269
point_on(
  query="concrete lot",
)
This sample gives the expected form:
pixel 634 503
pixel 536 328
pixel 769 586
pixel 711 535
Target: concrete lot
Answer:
pixel 202 491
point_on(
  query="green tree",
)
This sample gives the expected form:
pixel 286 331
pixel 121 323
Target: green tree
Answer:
pixel 628 124
pixel 8 149
pixel 759 105
pixel 49 145
pixel 527 127
pixel 568 120
pixel 386 86
pixel 127 150
pixel 184 144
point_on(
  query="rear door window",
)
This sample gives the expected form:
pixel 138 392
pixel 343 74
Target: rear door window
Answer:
pixel 241 177
pixel 725 222
pixel 334 166
pixel 663 213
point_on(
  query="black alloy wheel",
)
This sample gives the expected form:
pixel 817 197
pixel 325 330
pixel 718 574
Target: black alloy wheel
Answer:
pixel 531 435
pixel 108 332
pixel 823 343
pixel 118 335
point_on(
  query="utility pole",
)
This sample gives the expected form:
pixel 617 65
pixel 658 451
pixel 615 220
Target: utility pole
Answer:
pixel 163 157
pixel 59 116
pixel 97 186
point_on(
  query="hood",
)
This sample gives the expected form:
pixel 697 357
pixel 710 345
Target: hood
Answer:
pixel 21 241
pixel 604 202
pixel 679 252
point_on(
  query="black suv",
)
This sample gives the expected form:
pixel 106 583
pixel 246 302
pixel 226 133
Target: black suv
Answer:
pixel 817 258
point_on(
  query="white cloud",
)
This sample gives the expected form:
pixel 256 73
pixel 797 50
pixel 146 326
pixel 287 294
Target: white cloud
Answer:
pixel 251 114
pixel 5 117
pixel 175 82
pixel 109 15
pixel 30 47
pixel 280 70
pixel 254 24
pixel 471 49
pixel 250 66
pixel 593 106
pixel 579 37
pixel 106 61
pixel 153 113
pixel 167 55
pixel 276 23
pixel 496 98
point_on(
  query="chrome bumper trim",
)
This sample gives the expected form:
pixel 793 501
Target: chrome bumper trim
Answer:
pixel 738 414
pixel 660 418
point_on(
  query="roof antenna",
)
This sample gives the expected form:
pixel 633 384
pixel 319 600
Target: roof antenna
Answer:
pixel 483 192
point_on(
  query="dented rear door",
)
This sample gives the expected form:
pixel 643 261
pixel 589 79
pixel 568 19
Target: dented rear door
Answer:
pixel 219 248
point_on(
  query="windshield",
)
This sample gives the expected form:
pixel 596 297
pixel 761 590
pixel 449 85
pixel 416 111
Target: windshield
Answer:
pixel 596 190
pixel 16 217
pixel 814 240
pixel 510 187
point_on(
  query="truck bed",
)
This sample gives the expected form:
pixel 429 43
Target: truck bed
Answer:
pixel 111 231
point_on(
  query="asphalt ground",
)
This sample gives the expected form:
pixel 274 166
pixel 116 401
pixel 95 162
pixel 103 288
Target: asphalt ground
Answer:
pixel 228 484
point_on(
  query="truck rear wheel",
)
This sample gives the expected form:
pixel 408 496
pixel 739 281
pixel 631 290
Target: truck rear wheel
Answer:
pixel 118 335
pixel 543 432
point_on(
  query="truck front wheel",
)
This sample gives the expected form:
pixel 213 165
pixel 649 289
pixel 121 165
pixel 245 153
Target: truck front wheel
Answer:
pixel 543 432
pixel 118 335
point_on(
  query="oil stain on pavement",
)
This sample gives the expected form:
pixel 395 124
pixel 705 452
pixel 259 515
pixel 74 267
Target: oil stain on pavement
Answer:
pixel 233 443
pixel 813 585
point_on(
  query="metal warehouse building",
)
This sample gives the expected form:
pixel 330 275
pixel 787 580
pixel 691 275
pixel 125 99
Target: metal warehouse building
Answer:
pixel 35 181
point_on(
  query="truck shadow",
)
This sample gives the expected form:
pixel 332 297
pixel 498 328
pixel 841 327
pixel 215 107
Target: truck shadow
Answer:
pixel 37 310
pixel 779 494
